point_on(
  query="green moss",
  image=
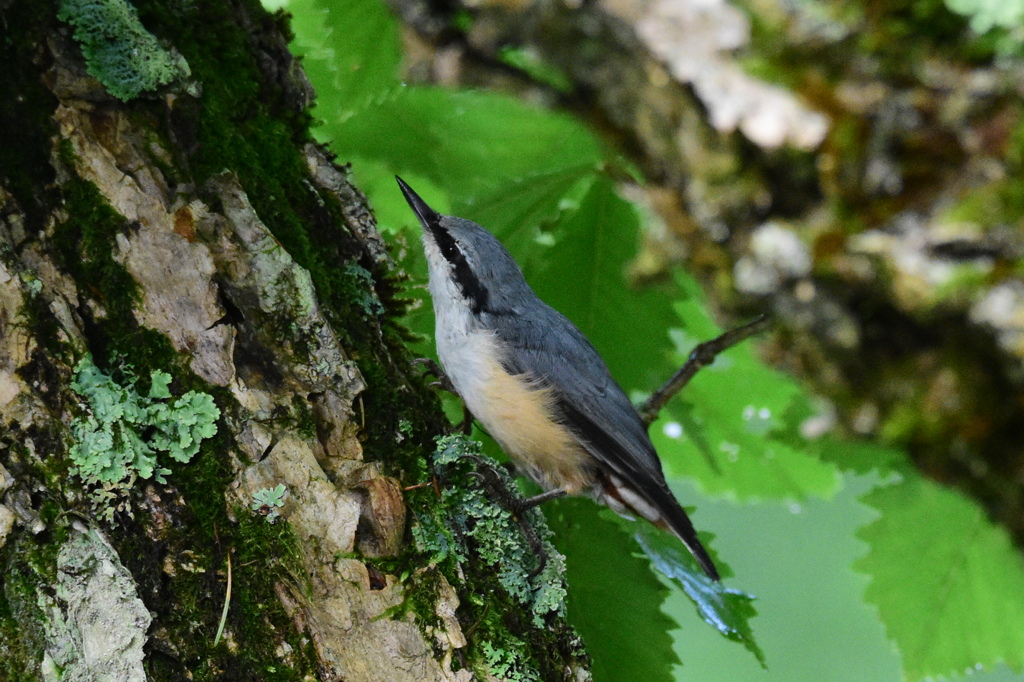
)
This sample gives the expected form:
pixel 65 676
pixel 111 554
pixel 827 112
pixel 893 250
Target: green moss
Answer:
pixel 29 568
pixel 42 325
pixel 188 601
pixel 305 421
pixel 247 125
pixel 21 633
pixel 86 244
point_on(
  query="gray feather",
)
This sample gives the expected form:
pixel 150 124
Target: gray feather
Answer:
pixel 551 348
pixel 548 347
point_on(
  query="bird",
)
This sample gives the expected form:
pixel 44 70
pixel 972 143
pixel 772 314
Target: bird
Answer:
pixel 537 384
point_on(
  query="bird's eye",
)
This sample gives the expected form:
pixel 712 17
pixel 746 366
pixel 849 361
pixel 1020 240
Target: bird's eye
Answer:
pixel 450 250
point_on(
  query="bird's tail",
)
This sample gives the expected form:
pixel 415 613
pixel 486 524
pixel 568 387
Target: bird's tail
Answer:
pixel 665 513
pixel 681 526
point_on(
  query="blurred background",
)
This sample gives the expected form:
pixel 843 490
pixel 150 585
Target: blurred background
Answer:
pixel 663 169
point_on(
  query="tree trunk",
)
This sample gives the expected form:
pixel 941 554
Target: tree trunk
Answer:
pixel 196 230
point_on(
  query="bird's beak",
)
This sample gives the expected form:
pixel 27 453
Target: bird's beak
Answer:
pixel 430 218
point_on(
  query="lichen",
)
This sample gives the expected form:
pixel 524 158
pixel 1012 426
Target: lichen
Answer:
pixel 517 631
pixel 507 663
pixel 468 520
pixel 266 501
pixel 122 430
pixel 118 49
pixel 366 297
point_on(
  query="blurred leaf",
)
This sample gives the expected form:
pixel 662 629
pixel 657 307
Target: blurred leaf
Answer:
pixel 376 179
pixel 583 275
pixel 526 212
pixel 948 583
pixel 614 599
pixel 728 611
pixel 472 144
pixel 861 456
pixel 731 427
pixel 351 51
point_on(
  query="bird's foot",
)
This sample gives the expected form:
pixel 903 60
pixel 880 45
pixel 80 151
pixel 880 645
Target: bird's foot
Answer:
pixel 500 491
pixel 443 383
pixel 531 502
pixel 441 380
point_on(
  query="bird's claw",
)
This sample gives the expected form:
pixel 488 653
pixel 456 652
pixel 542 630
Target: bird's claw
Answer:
pixel 443 383
pixel 433 369
pixel 491 481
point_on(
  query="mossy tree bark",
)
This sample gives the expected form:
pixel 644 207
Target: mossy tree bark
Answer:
pixel 199 231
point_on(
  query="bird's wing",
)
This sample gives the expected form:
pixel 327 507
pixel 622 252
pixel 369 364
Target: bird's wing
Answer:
pixel 550 348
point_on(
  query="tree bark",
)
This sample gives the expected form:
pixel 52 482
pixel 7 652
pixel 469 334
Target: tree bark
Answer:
pixel 197 230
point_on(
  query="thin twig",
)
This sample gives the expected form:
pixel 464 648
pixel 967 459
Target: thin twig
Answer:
pixel 701 356
pixel 227 601
pixel 407 488
pixel 470 631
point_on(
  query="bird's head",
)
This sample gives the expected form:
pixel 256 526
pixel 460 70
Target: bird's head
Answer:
pixel 462 252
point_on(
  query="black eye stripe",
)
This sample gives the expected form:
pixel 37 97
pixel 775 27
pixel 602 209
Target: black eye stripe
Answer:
pixel 465 278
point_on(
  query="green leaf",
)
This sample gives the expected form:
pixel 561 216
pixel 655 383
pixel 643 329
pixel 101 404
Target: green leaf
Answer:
pixel 728 611
pixel 376 179
pixel 472 144
pixel 614 599
pixel 351 50
pixel 948 583
pixel 862 457
pixel 732 427
pixel 527 213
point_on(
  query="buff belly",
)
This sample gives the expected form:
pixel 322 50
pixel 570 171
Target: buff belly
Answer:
pixel 518 413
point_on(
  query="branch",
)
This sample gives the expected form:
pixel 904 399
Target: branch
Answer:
pixel 701 356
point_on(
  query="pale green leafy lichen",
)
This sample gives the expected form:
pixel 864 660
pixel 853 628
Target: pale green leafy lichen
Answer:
pixel 505 664
pixel 366 297
pixel 122 432
pixel 266 501
pixel 468 516
pixel 118 49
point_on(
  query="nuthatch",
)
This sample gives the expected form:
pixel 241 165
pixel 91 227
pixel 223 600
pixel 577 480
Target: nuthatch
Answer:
pixel 535 382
